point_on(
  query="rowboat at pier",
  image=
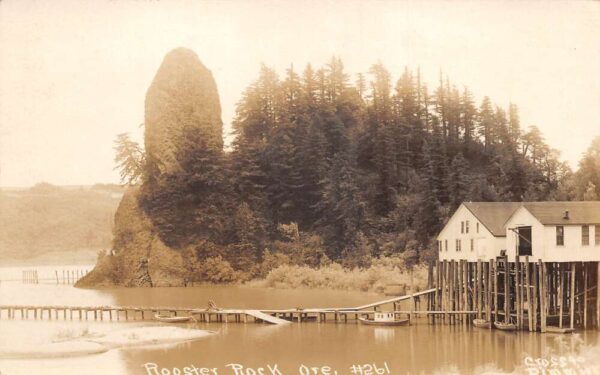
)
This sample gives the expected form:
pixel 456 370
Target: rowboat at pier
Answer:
pixel 384 319
pixel 505 326
pixel 482 323
pixel 171 319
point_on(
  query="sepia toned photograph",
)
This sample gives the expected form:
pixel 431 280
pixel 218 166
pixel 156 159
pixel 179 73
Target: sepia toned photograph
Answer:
pixel 299 187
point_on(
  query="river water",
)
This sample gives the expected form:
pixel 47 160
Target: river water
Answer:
pixel 419 349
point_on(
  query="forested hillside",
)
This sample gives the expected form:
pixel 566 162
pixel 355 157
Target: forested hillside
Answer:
pixel 324 168
pixel 381 162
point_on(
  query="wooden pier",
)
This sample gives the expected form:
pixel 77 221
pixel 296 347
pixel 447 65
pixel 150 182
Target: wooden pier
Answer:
pixel 532 295
pixel 125 313
pixel 211 315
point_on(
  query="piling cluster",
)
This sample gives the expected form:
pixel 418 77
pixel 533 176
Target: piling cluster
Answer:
pixel 534 296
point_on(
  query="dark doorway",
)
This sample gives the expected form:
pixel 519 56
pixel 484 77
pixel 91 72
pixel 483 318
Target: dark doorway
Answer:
pixel 524 240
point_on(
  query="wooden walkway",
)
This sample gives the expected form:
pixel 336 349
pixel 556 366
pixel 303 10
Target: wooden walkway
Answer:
pixel 271 316
pixel 266 317
pixel 394 300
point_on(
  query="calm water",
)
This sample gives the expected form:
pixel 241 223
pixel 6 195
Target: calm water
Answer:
pixel 421 348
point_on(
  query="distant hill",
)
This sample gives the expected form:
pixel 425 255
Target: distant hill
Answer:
pixel 47 223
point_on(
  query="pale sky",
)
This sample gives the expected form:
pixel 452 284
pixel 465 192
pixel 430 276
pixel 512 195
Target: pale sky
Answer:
pixel 73 74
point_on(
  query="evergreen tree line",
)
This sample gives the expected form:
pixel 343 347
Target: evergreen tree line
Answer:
pixel 325 167
pixel 379 159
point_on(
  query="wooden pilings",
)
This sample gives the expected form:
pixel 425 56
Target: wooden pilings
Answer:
pixel 531 294
pixel 572 297
pixel 598 295
pixel 506 294
pixel 528 293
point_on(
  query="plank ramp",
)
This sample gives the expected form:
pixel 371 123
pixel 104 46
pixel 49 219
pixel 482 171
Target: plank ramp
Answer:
pixel 266 317
pixel 392 300
pixel 352 309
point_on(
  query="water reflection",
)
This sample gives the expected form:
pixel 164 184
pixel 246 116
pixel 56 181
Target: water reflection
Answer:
pixel 384 334
pixel 419 348
pixel 416 349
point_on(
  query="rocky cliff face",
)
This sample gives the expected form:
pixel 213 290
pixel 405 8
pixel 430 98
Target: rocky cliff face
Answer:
pixel 182 97
pixel 181 101
pixel 139 257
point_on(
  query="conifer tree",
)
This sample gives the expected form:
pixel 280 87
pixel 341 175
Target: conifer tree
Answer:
pixel 468 115
pixel 514 125
pixel 341 207
pixel 383 132
pixel 457 181
pixel 486 123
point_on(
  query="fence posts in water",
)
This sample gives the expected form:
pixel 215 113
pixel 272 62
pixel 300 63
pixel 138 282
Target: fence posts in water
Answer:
pixel 71 276
pixel 29 277
pixel 68 276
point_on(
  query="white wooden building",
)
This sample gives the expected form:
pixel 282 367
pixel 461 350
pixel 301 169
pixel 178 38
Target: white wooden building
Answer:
pixel 550 231
pixel 475 231
pixel 555 231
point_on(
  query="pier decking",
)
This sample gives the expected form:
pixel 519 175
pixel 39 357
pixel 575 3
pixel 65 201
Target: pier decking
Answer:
pixel 272 316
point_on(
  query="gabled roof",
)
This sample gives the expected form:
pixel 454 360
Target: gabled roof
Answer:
pixel 493 215
pixel 553 213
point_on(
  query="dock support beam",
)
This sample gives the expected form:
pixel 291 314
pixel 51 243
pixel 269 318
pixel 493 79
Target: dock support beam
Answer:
pixel 585 294
pixel 506 291
pixel 543 295
pixel 598 295
pixel 572 296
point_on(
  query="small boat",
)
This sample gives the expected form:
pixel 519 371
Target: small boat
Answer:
pixel 553 329
pixel 505 326
pixel 384 319
pixel 482 323
pixel 171 319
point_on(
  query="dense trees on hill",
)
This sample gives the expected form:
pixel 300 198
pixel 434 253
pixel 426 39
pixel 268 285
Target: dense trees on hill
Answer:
pixel 378 159
pixel 356 170
pixel 586 181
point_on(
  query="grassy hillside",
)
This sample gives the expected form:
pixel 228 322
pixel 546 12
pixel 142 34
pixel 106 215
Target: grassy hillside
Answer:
pixel 47 222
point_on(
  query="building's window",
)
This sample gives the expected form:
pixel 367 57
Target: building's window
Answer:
pixel 462 227
pixel 467 226
pixel 560 235
pixel 458 247
pixel 446 244
pixel 585 235
pixel 524 240
pixel 472 244
pixel 439 243
pixel 477 227
pixel 596 234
